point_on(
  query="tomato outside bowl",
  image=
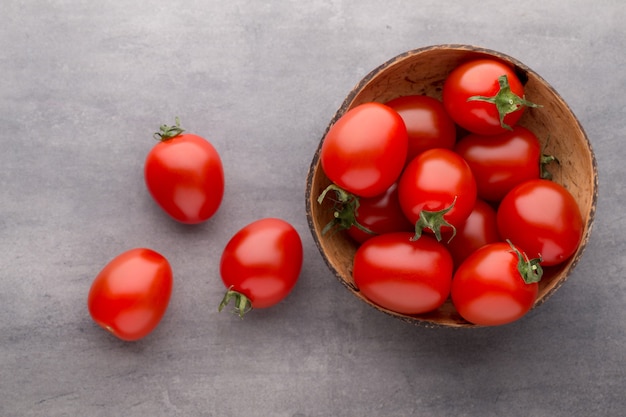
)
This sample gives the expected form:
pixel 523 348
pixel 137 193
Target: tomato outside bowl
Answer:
pixel 423 71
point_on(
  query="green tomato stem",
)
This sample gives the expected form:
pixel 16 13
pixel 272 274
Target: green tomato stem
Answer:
pixel 529 269
pixel 345 210
pixel 168 132
pixel 543 161
pixel 506 101
pixel 242 303
pixel 434 221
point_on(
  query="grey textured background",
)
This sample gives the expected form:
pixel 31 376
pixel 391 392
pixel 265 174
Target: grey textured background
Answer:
pixel 84 84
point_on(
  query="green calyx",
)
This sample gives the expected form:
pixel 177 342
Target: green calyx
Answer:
pixel 345 210
pixel 506 101
pixel 529 269
pixel 242 303
pixel 543 161
pixel 434 221
pixel 168 132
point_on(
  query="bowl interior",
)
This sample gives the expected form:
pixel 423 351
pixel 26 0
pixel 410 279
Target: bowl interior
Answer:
pixel 422 71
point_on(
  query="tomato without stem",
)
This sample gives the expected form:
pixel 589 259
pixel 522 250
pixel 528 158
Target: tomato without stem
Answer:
pixel 543 219
pixel 261 264
pixel 484 96
pixel 437 191
pixel 130 295
pixel 495 285
pixel 401 275
pixel 380 214
pixel 184 175
pixel 500 162
pixel 365 150
pixel 480 228
pixel 427 123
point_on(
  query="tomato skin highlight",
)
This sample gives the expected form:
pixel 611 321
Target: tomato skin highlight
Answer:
pixel 185 177
pixel 542 218
pixel 365 150
pixel 479 78
pixel 434 180
pixel 500 162
pixel 487 288
pixel 427 123
pixel 401 275
pixel 131 293
pixel 263 261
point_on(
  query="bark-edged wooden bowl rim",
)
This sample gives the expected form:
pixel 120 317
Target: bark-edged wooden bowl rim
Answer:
pixel 422 71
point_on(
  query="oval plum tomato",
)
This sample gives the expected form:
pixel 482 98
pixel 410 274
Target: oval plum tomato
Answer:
pixel 401 275
pixel 184 175
pixel 427 123
pixel 380 214
pixel 542 218
pixel 131 293
pixel 437 191
pixel 484 96
pixel 365 150
pixel 261 264
pixel 495 285
pixel 479 229
pixel 500 162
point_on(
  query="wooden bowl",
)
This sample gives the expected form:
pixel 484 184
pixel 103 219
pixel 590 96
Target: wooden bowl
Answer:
pixel 422 71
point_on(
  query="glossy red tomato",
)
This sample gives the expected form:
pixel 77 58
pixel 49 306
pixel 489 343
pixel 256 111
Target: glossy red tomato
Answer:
pixel 380 214
pixel 500 162
pixel 479 229
pixel 495 285
pixel 438 189
pixel 427 123
pixel 261 264
pixel 365 150
pixel 184 175
pixel 484 96
pixel 131 294
pixel 401 275
pixel 542 218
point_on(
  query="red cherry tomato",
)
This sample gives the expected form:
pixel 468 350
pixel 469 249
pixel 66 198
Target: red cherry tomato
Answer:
pixel 184 175
pixel 380 214
pixel 401 275
pixel 261 264
pixel 365 150
pixel 490 287
pixel 500 162
pixel 479 229
pixel 542 218
pixel 131 294
pixel 484 96
pixel 427 123
pixel 440 184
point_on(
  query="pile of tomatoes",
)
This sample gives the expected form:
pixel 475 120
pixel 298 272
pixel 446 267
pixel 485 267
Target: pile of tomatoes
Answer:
pixel 449 199
pixel 259 266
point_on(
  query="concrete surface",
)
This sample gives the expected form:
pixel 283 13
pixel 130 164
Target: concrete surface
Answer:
pixel 84 84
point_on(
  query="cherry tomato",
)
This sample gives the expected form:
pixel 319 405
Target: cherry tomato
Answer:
pixel 484 96
pixel 380 214
pixel 131 294
pixel 184 175
pixel 438 190
pixel 542 218
pixel 427 123
pixel 479 229
pixel 495 285
pixel 500 162
pixel 365 150
pixel 401 275
pixel 261 264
